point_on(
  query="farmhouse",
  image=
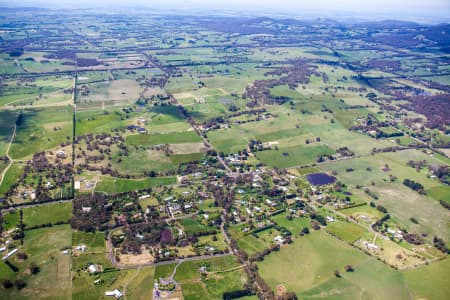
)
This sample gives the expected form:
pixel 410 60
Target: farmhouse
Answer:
pixel 116 293
pixel 279 239
pixel 144 197
pixel 9 254
pixel 93 269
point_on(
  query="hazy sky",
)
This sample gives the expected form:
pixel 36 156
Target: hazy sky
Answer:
pixel 402 8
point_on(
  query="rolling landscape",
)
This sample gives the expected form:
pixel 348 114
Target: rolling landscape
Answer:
pixel 152 154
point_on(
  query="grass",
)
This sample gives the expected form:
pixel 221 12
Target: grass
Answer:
pixel 112 185
pixel 159 139
pixel 141 287
pixel 215 284
pixel 11 220
pixel 43 246
pixel 295 225
pixel 95 241
pixel 191 226
pixel 50 213
pixel 41 129
pixel 441 192
pixel 7 121
pixel 348 231
pixel 296 155
pixel 429 282
pixel 248 243
pixel 11 177
pixel 307 268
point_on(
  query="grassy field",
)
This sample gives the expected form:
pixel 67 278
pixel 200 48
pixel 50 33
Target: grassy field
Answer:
pixel 42 129
pixel 191 225
pixel 43 246
pixel 295 225
pixel 219 280
pixel 401 202
pixel 112 185
pixel 307 267
pixel 7 121
pixel 348 231
pixel 247 242
pixel 296 156
pixel 50 213
pixel 161 139
pixel 141 287
pixel 11 177
pixel 95 241
pixel 429 282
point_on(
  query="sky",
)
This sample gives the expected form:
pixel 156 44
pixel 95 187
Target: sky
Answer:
pixel 402 9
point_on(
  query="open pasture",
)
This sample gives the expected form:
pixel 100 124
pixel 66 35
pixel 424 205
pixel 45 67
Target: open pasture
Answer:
pixel 41 129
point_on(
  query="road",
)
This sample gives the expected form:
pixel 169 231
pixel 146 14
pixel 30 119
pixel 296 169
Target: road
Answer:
pixel 7 155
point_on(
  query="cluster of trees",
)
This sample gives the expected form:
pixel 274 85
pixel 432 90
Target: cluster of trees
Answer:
pixel 259 256
pixel 413 238
pixel 57 173
pixel 440 244
pixel 297 73
pixel 414 185
pixel 436 108
pixel 91 212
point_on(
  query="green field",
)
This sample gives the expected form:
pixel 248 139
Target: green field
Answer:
pixel 43 246
pixel 429 282
pixel 50 213
pixel 348 231
pixel 160 139
pixel 112 185
pixel 42 129
pixel 224 277
pixel 307 267
pixel 296 156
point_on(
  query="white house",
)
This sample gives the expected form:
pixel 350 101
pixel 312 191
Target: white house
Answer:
pixel 116 293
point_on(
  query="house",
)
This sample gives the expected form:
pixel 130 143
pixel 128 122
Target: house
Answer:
pixel 203 195
pixel 144 197
pixel 93 269
pixel 248 211
pixel 77 185
pixel 116 293
pixel 86 209
pixel 61 154
pixel 370 246
pixel 270 203
pixel 278 239
pixel 9 254
pixel 81 248
pixel 330 219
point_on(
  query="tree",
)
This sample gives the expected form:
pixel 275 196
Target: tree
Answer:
pixel 34 268
pixel 7 284
pixel 20 284
pixel 349 268
pixel 337 274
